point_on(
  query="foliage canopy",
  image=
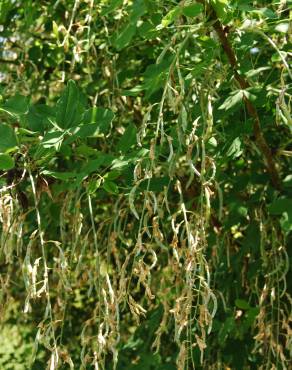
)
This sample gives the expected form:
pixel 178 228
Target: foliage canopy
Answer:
pixel 146 187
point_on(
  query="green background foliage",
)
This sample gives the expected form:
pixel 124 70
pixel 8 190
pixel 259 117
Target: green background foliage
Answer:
pixel 146 189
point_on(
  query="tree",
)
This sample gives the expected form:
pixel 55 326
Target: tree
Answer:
pixel 145 190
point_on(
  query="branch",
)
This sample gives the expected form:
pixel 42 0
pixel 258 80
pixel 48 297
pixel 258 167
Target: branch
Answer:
pixel 243 83
pixel 7 61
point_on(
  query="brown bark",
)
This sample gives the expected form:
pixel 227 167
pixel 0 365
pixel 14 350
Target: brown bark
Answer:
pixel 243 83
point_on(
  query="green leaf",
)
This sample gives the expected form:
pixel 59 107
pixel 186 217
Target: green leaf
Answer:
pixel 17 105
pixel 277 58
pixel 265 13
pixel 170 17
pixel 119 163
pixel 287 182
pixel 83 131
pixel 147 30
pixel 6 7
pixel 93 185
pixel 69 107
pixel 232 100
pixel 132 92
pixel 156 75
pixel 53 139
pixel 183 118
pixel 199 68
pixel 138 9
pixel 280 206
pixel 156 184
pixel 235 149
pixel 85 150
pixel 226 328
pixel 212 142
pixel 113 5
pixel 55 29
pixel 7 138
pixel 241 303
pixel 129 158
pixel 38 117
pixel 244 5
pixel 220 7
pixel 123 38
pixel 128 139
pixel 6 162
pixel 286 222
pixel 112 175
pixel 65 150
pixel 111 187
pixel 93 165
pixel 242 211
pixel 254 72
pixel 60 175
pixel 101 117
pixel 192 10
pixel 251 315
pixel 248 93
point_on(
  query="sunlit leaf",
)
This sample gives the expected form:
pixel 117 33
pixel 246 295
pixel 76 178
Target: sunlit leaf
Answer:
pixel 221 8
pixel 110 187
pixel 171 16
pixel 17 105
pixel 53 139
pixel 234 99
pixel 235 149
